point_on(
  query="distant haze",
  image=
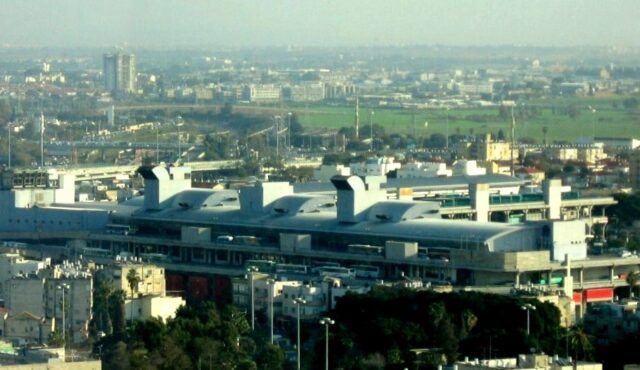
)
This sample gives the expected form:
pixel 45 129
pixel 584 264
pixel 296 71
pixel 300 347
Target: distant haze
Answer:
pixel 244 23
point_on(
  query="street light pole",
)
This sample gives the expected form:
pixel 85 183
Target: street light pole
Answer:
pixel 528 307
pixel 298 302
pixel 593 124
pixel 62 288
pixel 289 131
pixel 9 159
pixel 251 270
pixel 371 131
pixel 157 143
pixel 326 322
pixel 271 292
pixel 446 139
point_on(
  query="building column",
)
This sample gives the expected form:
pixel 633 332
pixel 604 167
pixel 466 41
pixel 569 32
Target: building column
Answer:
pixel 517 279
pixel 581 276
pixel 611 274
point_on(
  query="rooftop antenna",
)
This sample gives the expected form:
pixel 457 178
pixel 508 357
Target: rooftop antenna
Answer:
pixel 357 117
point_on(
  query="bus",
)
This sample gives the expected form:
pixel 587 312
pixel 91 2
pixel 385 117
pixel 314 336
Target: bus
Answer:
pixel 265 266
pixel 338 272
pixel 316 265
pixel 96 252
pixel 365 249
pixel 246 239
pixel 154 257
pixel 120 229
pixel 366 271
pixel 285 268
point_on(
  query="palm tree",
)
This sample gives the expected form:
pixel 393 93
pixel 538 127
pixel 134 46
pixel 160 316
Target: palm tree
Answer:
pixel 133 279
pixel 579 342
pixel 633 278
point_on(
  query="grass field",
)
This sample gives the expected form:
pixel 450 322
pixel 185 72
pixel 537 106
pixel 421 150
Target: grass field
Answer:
pixel 606 121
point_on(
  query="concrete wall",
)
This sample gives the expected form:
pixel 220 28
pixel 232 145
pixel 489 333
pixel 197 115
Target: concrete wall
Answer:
pixel 569 238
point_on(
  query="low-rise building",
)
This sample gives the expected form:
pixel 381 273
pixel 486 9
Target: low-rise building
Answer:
pixel 376 166
pixel 423 169
pixel 533 361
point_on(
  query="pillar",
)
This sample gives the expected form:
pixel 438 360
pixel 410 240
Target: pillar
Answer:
pixel 479 194
pixel 552 190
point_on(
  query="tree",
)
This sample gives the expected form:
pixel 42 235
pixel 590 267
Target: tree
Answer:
pixel 631 103
pixel 633 278
pixel 56 339
pixel 270 357
pixel 579 342
pixel 545 130
pixel 133 279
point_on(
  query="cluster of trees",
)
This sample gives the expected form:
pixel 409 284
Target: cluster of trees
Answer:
pixel 203 336
pixel 379 330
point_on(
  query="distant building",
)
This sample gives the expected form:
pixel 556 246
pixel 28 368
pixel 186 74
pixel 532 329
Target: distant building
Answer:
pixel 326 172
pixel 490 150
pixel 119 72
pixel 533 361
pixel 634 170
pixel 262 93
pixel 307 92
pixel 534 175
pixel 467 168
pixel 423 169
pixel 375 166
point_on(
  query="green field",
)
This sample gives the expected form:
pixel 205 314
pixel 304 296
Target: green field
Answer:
pixel 608 120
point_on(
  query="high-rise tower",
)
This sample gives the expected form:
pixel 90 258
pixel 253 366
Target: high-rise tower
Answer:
pixel 119 72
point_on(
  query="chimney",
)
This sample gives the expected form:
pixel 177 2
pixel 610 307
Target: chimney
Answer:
pixel 257 199
pixel 356 195
pixel 161 183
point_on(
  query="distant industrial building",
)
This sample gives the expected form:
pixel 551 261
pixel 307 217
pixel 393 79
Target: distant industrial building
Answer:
pixel 462 230
pixel 119 72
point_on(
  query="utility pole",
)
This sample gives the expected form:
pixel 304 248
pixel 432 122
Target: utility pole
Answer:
pixel 357 118
pixel 41 139
pixel 513 141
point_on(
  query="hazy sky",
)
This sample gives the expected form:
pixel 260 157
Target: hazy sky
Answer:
pixel 170 23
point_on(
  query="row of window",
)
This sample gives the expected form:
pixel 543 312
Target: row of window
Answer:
pixel 43 222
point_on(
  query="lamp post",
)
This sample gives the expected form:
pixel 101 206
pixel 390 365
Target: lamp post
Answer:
pixel 446 139
pixel 326 321
pixel 289 131
pixel 593 124
pixel 528 307
pixel 371 131
pixel 298 302
pixel 9 149
pixel 250 271
pixel 157 143
pixel 62 288
pixel 179 123
pixel 271 292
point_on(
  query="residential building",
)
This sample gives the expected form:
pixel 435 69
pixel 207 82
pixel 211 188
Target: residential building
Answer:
pixel 528 362
pixel 423 169
pixel 307 92
pixel 262 93
pixel 119 72
pixel 531 174
pixel 467 168
pixel 490 150
pixel 325 172
pixel 375 166
pixel 634 170
pixel 149 306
